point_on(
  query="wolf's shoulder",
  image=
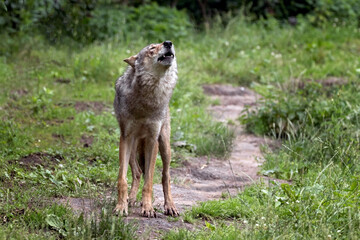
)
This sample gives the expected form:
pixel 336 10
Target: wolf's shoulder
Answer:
pixel 126 79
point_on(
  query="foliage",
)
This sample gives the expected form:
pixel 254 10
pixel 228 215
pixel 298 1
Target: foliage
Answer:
pixel 337 11
pixel 323 207
pixel 159 22
pixel 217 137
pixel 285 114
pixel 315 112
pixel 67 18
pixel 56 102
pixel 59 137
pixel 12 137
pixel 218 232
pixel 318 11
pixel 62 223
pixel 87 21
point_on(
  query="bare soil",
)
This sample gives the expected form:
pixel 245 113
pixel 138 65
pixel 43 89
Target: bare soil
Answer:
pixel 96 107
pixel 63 80
pixel 44 159
pixel 201 179
pixel 326 82
pixel 18 93
pixel 80 205
pixel 58 136
pixel 87 141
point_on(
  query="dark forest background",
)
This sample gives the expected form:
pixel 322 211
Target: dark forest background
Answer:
pixel 89 20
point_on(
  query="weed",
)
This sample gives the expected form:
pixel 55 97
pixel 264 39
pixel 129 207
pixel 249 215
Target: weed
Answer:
pixel 188 217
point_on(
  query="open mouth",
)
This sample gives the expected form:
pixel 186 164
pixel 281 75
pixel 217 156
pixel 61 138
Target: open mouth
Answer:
pixel 168 55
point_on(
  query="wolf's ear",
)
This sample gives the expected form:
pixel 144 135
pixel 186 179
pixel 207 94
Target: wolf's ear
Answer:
pixel 131 61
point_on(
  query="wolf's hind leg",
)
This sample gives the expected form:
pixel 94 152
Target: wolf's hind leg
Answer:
pixel 165 152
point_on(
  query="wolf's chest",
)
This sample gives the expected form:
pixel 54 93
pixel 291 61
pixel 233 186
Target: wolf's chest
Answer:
pixel 150 101
pixel 141 128
pixel 146 110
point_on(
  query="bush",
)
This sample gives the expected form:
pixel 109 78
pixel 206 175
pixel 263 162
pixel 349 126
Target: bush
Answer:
pixel 159 23
pixel 282 114
pixel 87 21
pixel 335 10
pixel 90 20
pixel 67 18
pixel 150 22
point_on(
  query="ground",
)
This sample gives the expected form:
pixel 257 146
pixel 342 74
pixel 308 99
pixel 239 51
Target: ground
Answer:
pixel 59 138
pixel 200 179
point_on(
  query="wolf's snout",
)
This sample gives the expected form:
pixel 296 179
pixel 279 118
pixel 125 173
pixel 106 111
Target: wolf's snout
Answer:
pixel 166 54
pixel 167 44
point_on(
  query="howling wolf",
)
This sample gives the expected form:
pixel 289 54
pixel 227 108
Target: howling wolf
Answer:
pixel 142 109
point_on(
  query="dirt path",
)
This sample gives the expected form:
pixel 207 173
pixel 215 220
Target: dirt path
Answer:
pixel 202 179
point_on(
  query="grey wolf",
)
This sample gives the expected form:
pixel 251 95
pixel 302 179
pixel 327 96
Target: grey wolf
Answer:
pixel 141 107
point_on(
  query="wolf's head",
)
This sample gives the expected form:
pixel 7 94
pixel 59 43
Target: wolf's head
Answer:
pixel 155 56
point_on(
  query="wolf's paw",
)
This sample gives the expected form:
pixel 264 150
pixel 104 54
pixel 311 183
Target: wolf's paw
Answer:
pixel 148 211
pixel 133 202
pixel 121 210
pixel 170 209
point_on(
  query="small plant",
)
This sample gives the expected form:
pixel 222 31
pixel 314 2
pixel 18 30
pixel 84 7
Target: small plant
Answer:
pixel 188 217
pixel 65 224
pixel 216 142
pixel 42 100
pixel 283 114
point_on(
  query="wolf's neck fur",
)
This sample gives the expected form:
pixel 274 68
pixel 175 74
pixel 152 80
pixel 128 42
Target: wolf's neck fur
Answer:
pixel 157 84
pixel 145 93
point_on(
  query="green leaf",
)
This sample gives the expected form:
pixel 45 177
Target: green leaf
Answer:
pixel 288 191
pixel 54 221
pixel 4 5
pixel 210 226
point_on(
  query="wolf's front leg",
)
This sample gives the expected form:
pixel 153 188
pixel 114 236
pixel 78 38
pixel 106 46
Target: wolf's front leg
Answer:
pixel 151 149
pixel 165 152
pixel 125 147
pixel 136 173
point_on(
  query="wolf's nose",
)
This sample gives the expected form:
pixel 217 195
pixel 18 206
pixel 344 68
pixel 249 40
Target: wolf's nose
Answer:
pixel 167 44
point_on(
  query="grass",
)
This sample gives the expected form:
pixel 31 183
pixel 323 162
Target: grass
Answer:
pixel 53 221
pixel 43 86
pixel 59 137
pixel 317 123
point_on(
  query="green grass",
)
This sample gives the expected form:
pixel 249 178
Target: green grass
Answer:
pixel 42 86
pixel 318 126
pixel 57 221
